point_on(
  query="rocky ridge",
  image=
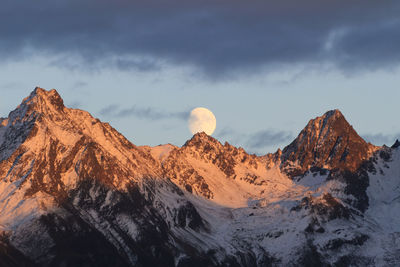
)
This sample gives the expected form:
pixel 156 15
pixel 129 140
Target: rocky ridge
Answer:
pixel 75 192
pixel 327 142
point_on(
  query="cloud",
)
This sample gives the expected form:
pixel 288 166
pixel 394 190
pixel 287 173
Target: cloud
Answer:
pixel 381 139
pixel 148 113
pixel 79 84
pixel 76 104
pixel 141 65
pixel 217 37
pixel 11 86
pixel 257 142
pixel 267 138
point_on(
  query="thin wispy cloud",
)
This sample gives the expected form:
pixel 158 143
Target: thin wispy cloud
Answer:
pixel 267 138
pixel 148 113
pixel 12 86
pixel 79 84
pixel 257 142
pixel 141 65
pixel 381 139
pixel 75 104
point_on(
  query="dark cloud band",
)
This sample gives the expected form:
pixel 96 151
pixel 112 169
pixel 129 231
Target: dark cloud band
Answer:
pixel 218 37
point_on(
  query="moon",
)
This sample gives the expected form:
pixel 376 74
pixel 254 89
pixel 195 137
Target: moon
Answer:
pixel 202 120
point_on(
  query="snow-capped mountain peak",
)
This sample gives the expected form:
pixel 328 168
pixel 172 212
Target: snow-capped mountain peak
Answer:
pixel 40 102
pixel 74 191
pixel 327 142
pixel 44 98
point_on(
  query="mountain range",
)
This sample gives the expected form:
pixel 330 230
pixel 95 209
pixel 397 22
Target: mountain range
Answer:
pixel 76 192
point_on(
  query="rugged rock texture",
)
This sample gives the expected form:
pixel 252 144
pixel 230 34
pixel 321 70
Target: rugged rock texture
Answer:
pixel 187 166
pixel 327 142
pixel 10 256
pixel 91 196
pixel 75 192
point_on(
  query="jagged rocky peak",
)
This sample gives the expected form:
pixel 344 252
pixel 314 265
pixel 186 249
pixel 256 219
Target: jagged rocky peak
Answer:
pixel 38 104
pixel 200 139
pixel 328 142
pixel 42 129
pixel 185 166
pixel 207 146
pixel 43 101
pixel 42 109
pixel 203 141
pixel 48 95
pixel 396 144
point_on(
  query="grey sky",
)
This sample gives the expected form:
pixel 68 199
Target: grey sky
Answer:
pixel 217 37
pixel 264 68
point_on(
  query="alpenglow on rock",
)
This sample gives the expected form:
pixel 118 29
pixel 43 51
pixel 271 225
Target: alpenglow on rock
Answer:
pixel 328 142
pixel 75 192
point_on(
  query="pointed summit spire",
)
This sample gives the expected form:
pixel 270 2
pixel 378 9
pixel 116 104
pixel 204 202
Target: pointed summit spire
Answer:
pixel 328 142
pixel 396 144
pixel 39 103
pixel 41 97
pixel 200 138
pixel 335 113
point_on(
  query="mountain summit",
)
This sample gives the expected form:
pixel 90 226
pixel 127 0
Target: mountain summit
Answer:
pixel 328 142
pixel 66 174
pixel 39 103
pixel 75 192
pixel 45 99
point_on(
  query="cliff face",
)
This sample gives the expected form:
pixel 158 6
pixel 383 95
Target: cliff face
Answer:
pixel 225 174
pixel 327 142
pixel 69 180
pixel 75 192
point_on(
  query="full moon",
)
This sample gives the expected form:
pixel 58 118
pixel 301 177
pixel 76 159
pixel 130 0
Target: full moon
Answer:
pixel 202 120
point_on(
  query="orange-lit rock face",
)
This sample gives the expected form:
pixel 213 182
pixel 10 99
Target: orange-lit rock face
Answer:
pixel 48 149
pixel 328 142
pixel 73 189
pixel 225 174
pixel 64 170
